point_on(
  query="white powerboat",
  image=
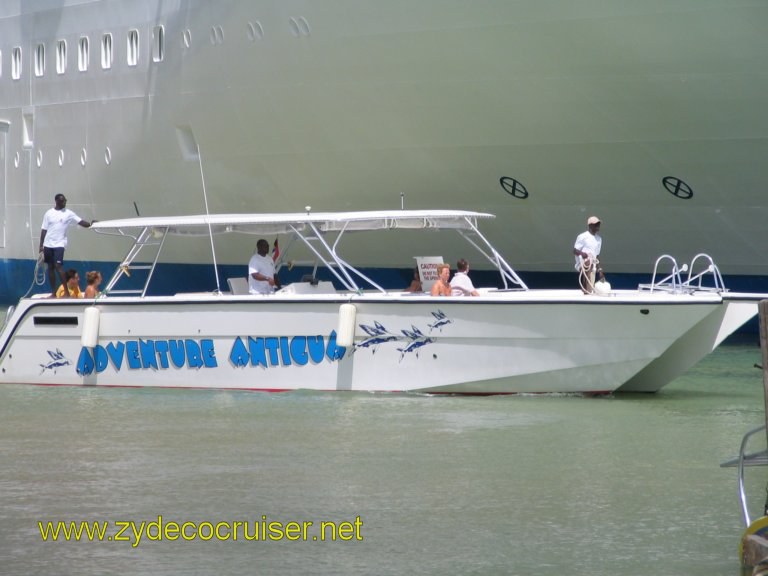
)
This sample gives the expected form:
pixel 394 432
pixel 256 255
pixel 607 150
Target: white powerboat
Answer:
pixel 346 332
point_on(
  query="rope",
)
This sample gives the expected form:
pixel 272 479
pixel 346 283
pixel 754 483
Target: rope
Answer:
pixel 38 276
pixel 587 264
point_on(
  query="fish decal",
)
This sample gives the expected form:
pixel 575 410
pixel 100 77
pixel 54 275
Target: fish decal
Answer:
pixel 414 338
pixel 377 335
pixel 440 320
pixel 58 360
pixel 417 340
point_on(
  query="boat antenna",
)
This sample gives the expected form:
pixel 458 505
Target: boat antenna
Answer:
pixel 207 215
pixel 402 200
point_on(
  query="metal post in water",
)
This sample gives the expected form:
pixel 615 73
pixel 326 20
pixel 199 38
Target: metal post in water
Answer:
pixel 762 308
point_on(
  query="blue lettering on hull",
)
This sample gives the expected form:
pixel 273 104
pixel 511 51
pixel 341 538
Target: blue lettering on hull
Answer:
pixel 266 352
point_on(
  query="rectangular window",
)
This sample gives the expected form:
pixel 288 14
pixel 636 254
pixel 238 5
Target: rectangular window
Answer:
pixel 83 54
pixel 106 51
pixel 132 48
pixel 16 63
pixel 158 44
pixel 61 56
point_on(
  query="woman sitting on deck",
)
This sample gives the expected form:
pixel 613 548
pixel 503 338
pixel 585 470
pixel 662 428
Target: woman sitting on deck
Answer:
pixel 441 286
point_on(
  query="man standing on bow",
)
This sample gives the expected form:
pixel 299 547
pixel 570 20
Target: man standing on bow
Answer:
pixel 586 249
pixel 53 240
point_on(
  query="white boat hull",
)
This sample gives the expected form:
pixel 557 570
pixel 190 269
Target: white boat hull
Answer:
pixel 502 342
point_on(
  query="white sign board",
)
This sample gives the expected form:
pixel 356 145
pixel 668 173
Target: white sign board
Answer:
pixel 427 266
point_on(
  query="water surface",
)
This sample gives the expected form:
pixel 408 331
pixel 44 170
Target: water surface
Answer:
pixel 524 485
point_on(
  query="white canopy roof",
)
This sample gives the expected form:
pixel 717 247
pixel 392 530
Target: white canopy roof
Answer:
pixel 286 223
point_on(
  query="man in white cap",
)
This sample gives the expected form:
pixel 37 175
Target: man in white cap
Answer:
pixel 586 249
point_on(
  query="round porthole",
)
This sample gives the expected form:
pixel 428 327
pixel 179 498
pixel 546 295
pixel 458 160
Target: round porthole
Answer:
pixel 513 187
pixel 677 187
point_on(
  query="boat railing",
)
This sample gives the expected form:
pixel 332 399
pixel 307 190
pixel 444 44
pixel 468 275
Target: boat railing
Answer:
pixel 508 274
pixel 742 461
pixel 671 283
pixel 674 283
pixel 695 282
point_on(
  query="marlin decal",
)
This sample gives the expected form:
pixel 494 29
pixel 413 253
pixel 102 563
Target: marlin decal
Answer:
pixel 377 335
pixel 417 340
pixel 413 339
pixel 440 320
pixel 58 360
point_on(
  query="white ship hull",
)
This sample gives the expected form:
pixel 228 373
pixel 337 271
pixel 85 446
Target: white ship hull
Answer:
pixel 274 105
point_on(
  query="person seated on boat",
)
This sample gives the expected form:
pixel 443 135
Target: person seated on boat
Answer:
pixel 72 288
pixel 415 283
pixel 441 287
pixel 261 271
pixel 586 250
pixel 92 283
pixel 461 285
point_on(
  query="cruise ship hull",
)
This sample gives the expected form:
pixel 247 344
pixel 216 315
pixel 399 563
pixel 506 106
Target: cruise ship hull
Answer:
pixel 649 115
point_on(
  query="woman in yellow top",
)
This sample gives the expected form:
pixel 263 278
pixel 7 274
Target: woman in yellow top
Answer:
pixel 72 279
pixel 92 281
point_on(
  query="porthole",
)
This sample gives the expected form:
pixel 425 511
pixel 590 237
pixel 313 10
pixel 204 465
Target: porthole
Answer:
pixel 107 156
pixel 513 187
pixel 217 35
pixel 186 38
pixel 16 160
pixel 255 31
pixel 303 26
pixel 294 26
pixel 83 157
pixel 61 157
pixel 677 187
pixel 39 158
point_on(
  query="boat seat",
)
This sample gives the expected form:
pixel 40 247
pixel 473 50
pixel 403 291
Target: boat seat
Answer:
pixel 238 286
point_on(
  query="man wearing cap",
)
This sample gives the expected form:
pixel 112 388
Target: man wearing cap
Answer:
pixel 586 250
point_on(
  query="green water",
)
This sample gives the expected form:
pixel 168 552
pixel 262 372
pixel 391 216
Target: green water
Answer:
pixel 522 485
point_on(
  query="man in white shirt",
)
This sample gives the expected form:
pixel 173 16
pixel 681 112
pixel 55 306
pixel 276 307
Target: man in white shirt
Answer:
pixel 261 271
pixel 586 250
pixel 53 240
pixel 461 285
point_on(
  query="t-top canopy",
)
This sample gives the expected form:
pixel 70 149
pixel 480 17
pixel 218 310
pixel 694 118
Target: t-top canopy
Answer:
pixel 203 224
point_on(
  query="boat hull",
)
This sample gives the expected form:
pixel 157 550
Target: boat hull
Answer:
pixel 505 342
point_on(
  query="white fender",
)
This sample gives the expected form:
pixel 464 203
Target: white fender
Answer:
pixel 90 336
pixel 345 335
pixel 603 288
